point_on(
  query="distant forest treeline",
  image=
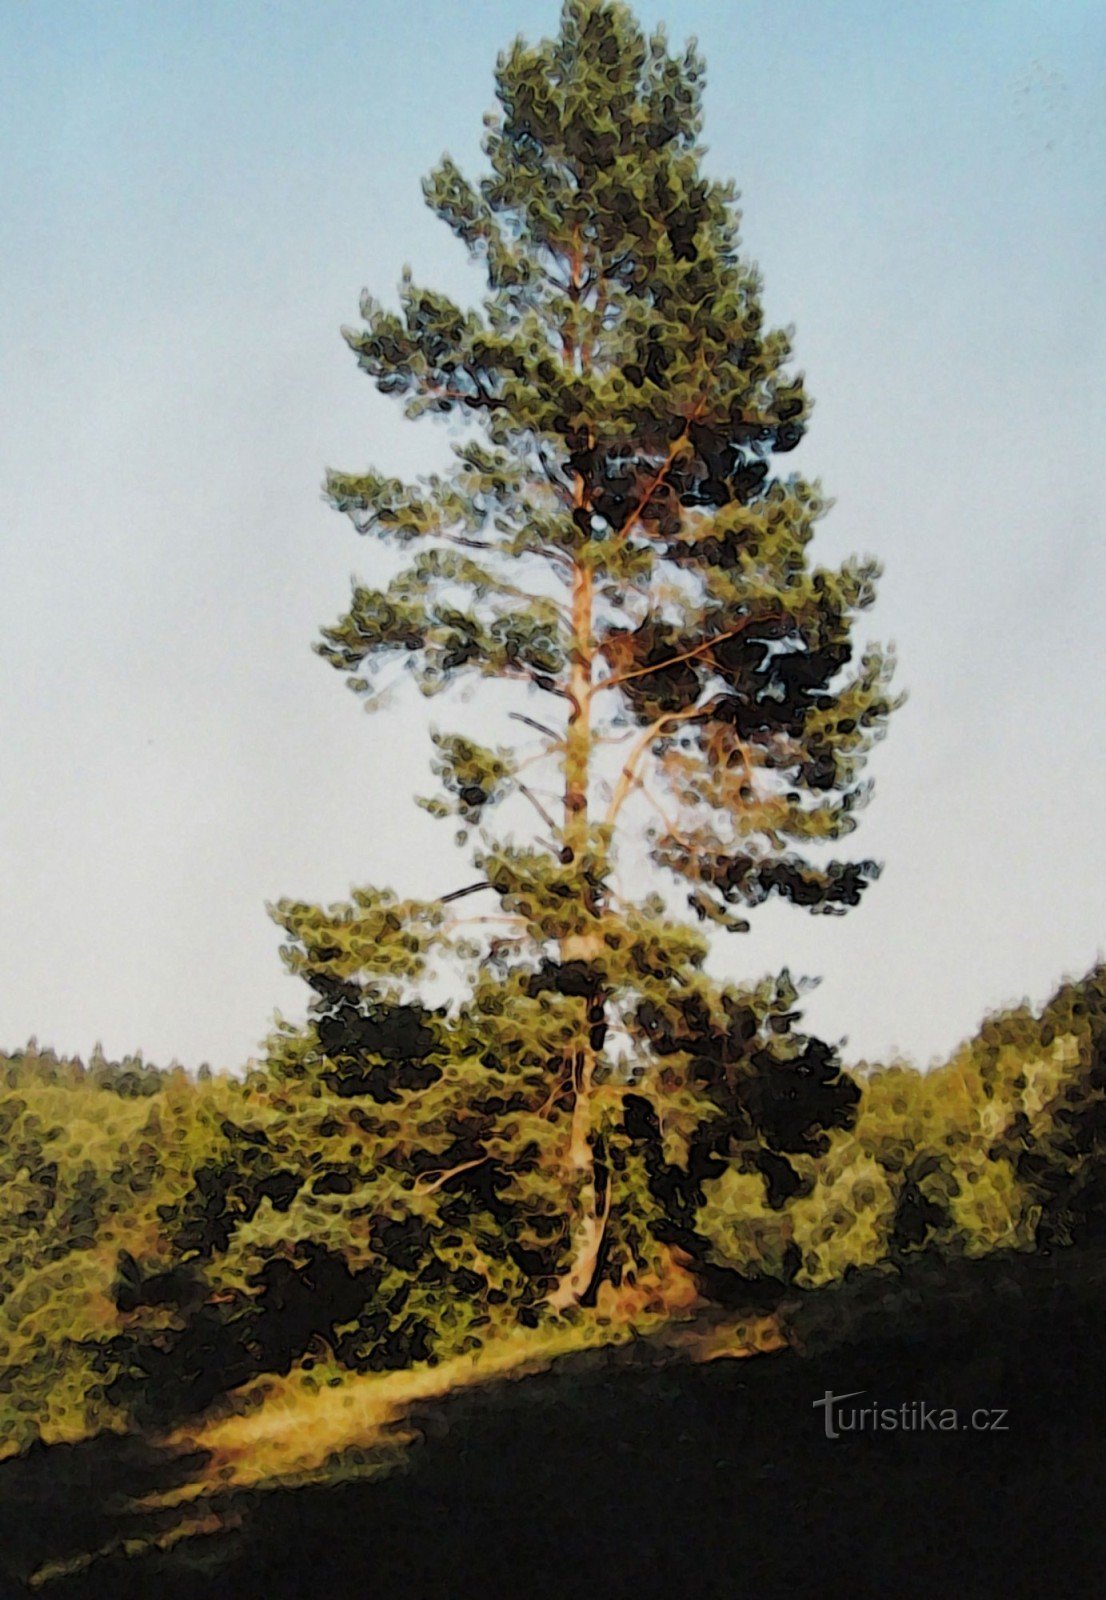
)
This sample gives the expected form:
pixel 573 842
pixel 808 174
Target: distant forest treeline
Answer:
pixel 164 1237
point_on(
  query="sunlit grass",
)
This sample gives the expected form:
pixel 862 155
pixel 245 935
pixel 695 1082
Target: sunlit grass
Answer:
pixel 320 1424
pixel 295 1427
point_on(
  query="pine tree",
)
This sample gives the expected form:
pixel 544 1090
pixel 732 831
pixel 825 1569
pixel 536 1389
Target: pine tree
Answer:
pixel 619 539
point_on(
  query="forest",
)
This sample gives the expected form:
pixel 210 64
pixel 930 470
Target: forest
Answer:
pixel 167 1240
pixel 592 1143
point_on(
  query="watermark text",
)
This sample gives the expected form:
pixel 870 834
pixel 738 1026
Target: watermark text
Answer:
pixel 842 1415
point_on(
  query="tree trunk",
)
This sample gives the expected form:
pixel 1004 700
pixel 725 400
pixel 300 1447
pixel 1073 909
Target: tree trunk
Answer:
pixel 590 1219
pixel 578 736
pixel 573 1286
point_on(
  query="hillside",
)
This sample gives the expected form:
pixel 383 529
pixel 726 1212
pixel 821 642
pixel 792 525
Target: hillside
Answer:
pixel 615 1476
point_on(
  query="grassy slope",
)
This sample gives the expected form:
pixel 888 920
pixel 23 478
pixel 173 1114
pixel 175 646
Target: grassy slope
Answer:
pixel 618 1475
pixel 294 1430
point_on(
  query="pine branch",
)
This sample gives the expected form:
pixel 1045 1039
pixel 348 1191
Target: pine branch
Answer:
pixel 517 716
pixel 628 775
pixel 665 468
pixel 671 661
pixel 453 1172
pixel 537 805
pixel 459 894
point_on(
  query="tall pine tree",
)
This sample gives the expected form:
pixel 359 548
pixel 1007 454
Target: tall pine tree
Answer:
pixel 619 539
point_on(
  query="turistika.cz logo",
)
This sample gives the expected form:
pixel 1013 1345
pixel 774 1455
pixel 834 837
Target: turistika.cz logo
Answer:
pixel 911 1416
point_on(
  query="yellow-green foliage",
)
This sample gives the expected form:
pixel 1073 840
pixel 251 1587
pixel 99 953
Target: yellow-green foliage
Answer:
pixel 154 1222
pixel 966 1158
pixel 846 1217
pixel 88 1157
pixel 746 1232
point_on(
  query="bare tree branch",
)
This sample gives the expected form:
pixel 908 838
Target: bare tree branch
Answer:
pixel 517 716
pixel 537 805
pixel 628 775
pixel 459 894
pixel 444 1177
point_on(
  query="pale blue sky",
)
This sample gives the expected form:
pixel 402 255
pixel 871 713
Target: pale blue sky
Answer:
pixel 193 196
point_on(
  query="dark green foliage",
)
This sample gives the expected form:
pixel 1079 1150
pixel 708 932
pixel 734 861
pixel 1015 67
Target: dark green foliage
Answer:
pixel 594 1127
pixel 630 401
pixel 155 1251
pixel 617 535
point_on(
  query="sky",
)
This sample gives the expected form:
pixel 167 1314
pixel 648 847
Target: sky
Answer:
pixel 194 196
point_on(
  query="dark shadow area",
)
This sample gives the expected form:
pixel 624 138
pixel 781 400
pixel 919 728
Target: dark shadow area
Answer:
pixel 619 1478
pixel 64 1501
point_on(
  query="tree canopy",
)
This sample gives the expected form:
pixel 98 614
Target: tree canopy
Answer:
pixel 587 1136
pixel 619 539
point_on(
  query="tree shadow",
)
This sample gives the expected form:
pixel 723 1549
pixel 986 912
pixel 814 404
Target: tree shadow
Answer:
pixel 62 1502
pixel 619 1479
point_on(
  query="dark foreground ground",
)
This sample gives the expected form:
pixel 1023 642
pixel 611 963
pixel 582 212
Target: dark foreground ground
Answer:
pixel 606 1480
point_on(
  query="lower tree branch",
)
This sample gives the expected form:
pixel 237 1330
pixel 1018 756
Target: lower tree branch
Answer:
pixel 444 1177
pixel 459 894
pixel 628 775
